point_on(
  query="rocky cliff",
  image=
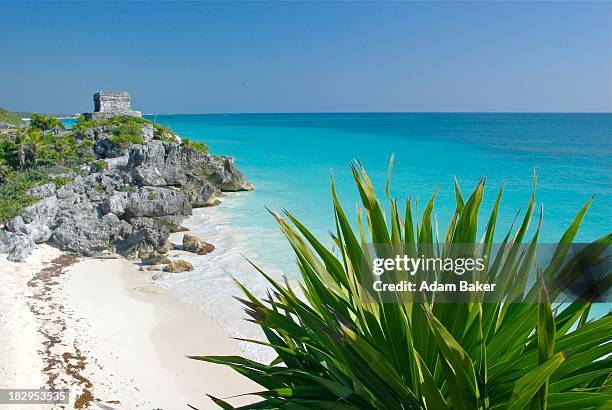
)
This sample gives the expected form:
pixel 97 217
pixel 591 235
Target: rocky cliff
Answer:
pixel 127 201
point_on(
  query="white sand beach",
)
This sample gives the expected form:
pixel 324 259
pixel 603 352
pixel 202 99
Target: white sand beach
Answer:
pixel 102 330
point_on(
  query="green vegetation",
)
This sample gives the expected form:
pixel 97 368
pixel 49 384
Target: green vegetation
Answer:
pixel 341 347
pixel 158 129
pixel 61 181
pixel 195 145
pixel 9 117
pixel 13 196
pixel 25 156
pixel 45 122
pixel 27 153
pixel 82 125
pixel 6 171
pixel 152 196
pixel 99 165
pixel 127 134
pixel 64 149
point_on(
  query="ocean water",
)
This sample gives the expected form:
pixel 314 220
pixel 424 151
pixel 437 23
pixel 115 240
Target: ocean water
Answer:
pixel 290 158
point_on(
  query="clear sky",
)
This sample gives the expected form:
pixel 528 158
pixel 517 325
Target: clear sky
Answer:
pixel 301 57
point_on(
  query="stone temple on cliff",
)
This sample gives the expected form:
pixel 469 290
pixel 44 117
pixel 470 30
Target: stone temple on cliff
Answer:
pixel 110 104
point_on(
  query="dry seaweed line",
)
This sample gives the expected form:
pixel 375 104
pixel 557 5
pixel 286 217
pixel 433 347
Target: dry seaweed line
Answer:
pixel 64 364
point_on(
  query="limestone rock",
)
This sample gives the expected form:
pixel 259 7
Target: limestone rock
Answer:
pixel 156 202
pixel 160 163
pixel 3 237
pixel 147 133
pixel 115 203
pixel 42 212
pixel 156 259
pixel 147 240
pixel 200 192
pixel 178 266
pixel 194 244
pixel 105 148
pixel 42 191
pixel 231 178
pixel 18 246
pixel 88 235
pixel 146 163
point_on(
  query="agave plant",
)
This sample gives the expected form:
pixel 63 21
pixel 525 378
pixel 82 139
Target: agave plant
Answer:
pixel 337 351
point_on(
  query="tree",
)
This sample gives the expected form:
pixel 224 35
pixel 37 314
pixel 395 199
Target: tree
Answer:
pixel 28 141
pixel 44 122
pixel 21 141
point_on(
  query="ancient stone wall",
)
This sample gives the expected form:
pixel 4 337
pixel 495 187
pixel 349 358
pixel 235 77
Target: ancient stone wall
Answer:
pixel 112 102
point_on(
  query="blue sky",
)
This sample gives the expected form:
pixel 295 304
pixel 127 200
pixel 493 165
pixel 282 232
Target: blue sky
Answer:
pixel 302 57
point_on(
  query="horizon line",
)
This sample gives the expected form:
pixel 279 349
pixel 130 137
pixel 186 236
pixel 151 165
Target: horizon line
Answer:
pixel 68 115
pixel 376 112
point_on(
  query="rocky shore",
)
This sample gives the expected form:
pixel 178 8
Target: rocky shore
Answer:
pixel 127 201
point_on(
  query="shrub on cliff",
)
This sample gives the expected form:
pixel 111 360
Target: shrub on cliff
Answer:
pixel 127 134
pixel 82 125
pixel 99 165
pixel 64 149
pixel 198 146
pixel 6 171
pixel 341 346
pixel 13 193
pixel 8 151
pixel 44 122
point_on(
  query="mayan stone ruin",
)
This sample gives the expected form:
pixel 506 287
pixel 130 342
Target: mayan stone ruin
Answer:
pixel 110 104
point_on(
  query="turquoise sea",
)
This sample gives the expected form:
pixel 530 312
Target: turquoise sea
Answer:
pixel 291 157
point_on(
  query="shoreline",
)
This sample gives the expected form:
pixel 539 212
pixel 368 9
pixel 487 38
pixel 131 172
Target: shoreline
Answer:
pixel 103 330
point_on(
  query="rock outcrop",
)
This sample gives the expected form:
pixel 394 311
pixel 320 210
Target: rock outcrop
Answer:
pixel 89 235
pixel 130 205
pixel 178 266
pixel 18 246
pixel 194 244
pixel 161 163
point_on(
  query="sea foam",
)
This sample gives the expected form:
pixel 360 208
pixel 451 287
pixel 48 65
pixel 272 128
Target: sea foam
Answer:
pixel 210 287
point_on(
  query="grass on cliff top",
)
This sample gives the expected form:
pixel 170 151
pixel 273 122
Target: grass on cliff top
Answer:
pixel 128 131
pixel 158 130
pixel 9 117
pixel 198 146
pixel 341 346
pixel 127 134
